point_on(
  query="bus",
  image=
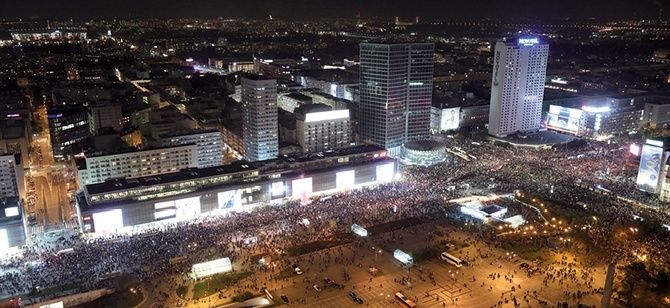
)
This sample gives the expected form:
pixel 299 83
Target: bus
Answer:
pixel 400 298
pixel 65 251
pixel 451 259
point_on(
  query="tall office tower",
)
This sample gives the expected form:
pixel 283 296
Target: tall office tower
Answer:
pixel 260 127
pixel 519 70
pixel 396 84
pixel 66 127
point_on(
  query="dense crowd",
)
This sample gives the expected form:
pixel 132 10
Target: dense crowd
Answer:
pixel 559 174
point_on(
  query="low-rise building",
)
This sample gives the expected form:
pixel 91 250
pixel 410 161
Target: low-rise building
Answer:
pixel 98 167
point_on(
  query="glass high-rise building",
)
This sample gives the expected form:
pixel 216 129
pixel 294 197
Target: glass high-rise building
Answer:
pixel 517 89
pixel 396 84
pixel 260 126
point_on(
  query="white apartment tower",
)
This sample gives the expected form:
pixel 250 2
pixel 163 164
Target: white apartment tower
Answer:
pixel 519 71
pixel 259 118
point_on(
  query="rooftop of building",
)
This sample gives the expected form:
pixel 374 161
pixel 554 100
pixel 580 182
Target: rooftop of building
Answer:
pixel 125 150
pixel 299 96
pixel 332 75
pixel 183 175
pixel 491 209
pixel 305 109
pixel 188 132
pixel 10 202
pixel 256 77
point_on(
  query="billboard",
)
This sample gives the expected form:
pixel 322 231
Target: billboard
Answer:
pixel 165 214
pixel 277 190
pixel 301 188
pixel 12 211
pixel 650 168
pixel 108 221
pixel 635 149
pixel 231 199
pixel 450 118
pixel 385 172
pixel 565 119
pixel 187 207
pixel 345 179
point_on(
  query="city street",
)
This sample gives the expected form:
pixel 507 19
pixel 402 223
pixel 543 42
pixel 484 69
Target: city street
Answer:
pixel 52 208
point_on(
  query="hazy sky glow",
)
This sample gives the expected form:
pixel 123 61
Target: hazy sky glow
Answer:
pixel 601 9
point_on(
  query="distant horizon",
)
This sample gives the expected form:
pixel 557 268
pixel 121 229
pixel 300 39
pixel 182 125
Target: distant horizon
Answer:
pixel 603 10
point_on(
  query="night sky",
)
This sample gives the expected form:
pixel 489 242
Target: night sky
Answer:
pixel 600 9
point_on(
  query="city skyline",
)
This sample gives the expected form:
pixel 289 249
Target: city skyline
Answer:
pixel 302 9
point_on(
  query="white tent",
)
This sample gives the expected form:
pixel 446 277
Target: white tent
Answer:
pixel 210 268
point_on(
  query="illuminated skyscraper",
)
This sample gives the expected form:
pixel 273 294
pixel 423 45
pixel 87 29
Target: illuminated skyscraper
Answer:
pixel 396 84
pixel 259 118
pixel 519 70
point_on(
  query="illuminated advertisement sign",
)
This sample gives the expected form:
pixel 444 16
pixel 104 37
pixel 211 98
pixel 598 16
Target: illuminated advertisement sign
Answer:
pixel 385 172
pixel 650 168
pixel 301 188
pixel 187 208
pixel 562 118
pixel 277 189
pixel 108 221
pixel 450 119
pixel 345 179
pixel 496 66
pixel 54 116
pixel 327 116
pixel 13 115
pixel 4 241
pixel 231 199
pixel 165 214
pixel 12 211
pixel 635 149
pixel 164 205
pixel 529 41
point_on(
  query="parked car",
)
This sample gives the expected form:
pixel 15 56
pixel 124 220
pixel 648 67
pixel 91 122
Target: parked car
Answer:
pixel 317 288
pixel 284 298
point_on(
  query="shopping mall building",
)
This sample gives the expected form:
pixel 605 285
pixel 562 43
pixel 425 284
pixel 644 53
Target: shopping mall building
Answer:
pixel 124 204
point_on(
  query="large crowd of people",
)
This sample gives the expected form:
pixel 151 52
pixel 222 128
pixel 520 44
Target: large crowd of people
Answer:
pixel 559 174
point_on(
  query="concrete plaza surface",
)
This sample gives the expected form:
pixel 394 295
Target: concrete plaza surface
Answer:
pixel 486 282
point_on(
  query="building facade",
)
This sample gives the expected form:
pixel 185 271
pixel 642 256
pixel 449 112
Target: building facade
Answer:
pixel 11 176
pixel 209 145
pixel 98 167
pixel 107 115
pixel 66 127
pixel 517 88
pixel 238 187
pixel 259 118
pixel 396 83
pixel 322 130
pixel 593 121
pixel 656 115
